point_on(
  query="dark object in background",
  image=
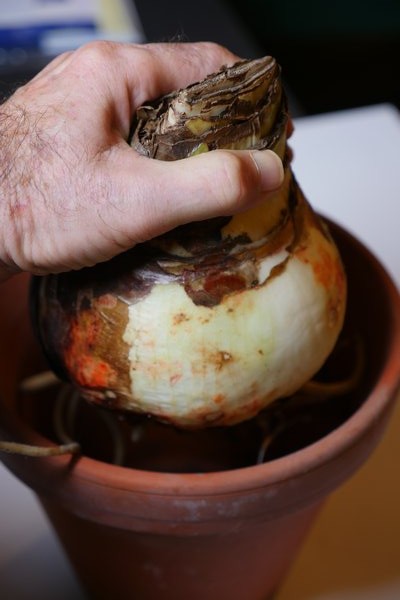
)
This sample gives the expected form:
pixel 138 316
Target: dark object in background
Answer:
pixel 335 55
pixel 176 20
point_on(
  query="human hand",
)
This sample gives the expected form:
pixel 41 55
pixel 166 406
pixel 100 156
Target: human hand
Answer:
pixel 74 193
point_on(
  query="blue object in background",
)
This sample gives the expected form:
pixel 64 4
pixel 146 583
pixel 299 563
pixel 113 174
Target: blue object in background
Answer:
pixel 30 38
pixel 47 27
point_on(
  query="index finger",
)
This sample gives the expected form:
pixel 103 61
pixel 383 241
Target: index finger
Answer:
pixel 148 70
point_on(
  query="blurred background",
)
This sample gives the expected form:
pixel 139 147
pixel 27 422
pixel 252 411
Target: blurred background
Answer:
pixel 334 55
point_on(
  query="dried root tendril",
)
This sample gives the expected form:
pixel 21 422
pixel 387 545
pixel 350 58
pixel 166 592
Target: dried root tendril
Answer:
pixel 64 417
pixel 31 385
pixel 39 451
pixel 38 382
pixel 312 393
pixel 273 421
pixel 65 414
pixel 323 390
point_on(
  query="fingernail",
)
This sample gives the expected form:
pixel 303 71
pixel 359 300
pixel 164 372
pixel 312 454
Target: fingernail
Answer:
pixel 270 168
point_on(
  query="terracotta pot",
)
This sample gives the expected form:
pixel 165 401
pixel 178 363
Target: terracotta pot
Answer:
pixel 229 534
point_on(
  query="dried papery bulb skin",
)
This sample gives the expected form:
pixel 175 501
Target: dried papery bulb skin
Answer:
pixel 240 107
pixel 210 323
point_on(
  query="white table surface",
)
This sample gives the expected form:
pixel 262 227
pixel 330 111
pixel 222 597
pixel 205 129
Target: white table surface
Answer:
pixel 348 164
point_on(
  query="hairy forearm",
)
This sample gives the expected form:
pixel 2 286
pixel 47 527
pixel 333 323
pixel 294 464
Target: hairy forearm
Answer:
pixel 9 140
pixel 22 146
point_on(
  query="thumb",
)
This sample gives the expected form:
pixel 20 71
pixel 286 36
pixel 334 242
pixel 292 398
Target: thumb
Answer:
pixel 159 195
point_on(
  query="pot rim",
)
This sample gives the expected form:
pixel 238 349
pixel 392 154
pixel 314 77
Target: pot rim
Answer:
pixel 273 472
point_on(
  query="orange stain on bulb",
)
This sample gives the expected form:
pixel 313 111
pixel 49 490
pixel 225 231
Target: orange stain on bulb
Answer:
pixel 82 353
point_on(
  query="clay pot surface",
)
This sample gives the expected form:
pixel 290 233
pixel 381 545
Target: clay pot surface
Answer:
pixel 231 534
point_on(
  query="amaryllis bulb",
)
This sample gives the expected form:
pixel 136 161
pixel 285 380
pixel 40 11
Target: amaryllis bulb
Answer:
pixel 210 323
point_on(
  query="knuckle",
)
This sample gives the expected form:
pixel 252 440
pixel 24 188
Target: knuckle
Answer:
pixel 94 55
pixel 98 47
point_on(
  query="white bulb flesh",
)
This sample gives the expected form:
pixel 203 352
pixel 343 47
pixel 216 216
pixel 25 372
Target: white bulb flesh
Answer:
pixel 195 365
